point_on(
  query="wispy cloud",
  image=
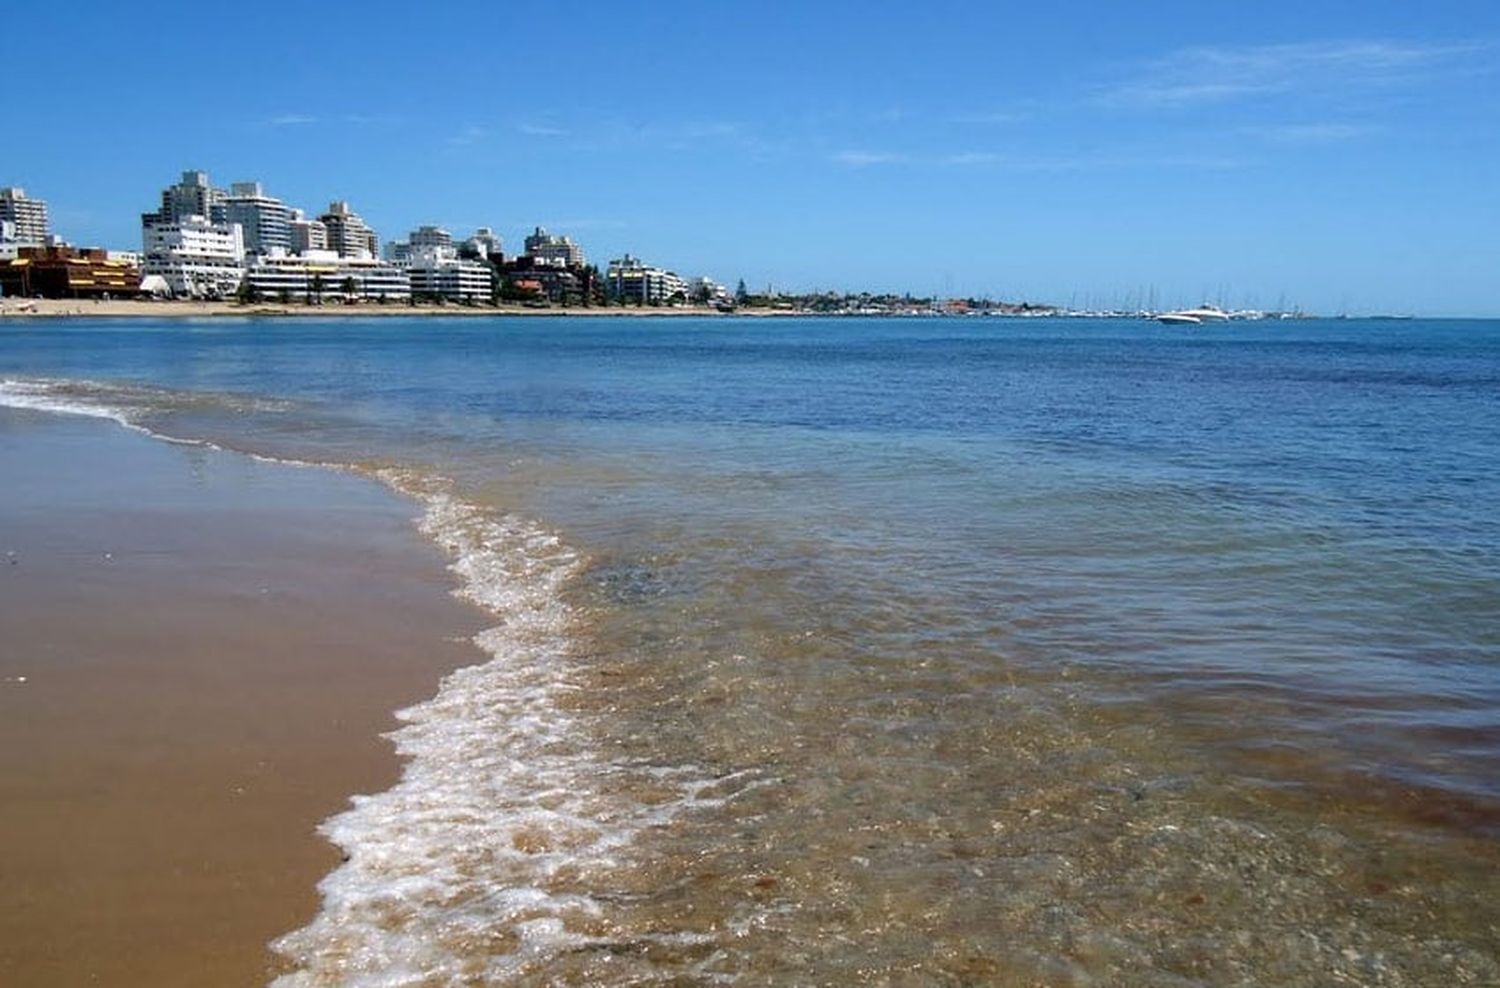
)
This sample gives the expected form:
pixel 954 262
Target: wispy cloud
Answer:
pixel 864 159
pixel 542 130
pixel 991 118
pixel 962 158
pixel 573 225
pixel 1105 160
pixel 292 120
pixel 1310 133
pixel 1206 75
pixel 471 134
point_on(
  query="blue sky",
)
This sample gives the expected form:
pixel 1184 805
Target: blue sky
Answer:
pixel 1338 156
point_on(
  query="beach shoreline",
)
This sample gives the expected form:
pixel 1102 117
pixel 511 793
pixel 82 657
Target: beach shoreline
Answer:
pixel 202 656
pixel 27 309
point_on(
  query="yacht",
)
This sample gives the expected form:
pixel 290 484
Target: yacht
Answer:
pixel 1204 313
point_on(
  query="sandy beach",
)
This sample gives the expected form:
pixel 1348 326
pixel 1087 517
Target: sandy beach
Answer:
pixel 201 654
pixel 131 308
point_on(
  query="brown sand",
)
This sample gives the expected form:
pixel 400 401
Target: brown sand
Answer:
pixel 198 654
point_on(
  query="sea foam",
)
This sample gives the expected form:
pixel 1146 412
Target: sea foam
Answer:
pixel 452 876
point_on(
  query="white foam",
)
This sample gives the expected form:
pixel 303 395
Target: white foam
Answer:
pixel 449 875
pixel 60 397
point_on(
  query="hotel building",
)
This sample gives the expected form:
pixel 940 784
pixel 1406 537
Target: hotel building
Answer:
pixel 348 234
pixel 438 272
pixel 196 257
pixel 23 220
pixel 265 222
pixel 324 276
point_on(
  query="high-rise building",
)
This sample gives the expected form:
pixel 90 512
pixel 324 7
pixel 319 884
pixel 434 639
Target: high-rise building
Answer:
pixel 264 220
pixel 430 236
pixel 305 234
pixel 193 196
pixel 547 248
pixel 25 218
pixel 348 234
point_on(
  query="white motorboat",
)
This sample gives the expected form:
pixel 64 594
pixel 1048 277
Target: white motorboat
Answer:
pixel 1202 314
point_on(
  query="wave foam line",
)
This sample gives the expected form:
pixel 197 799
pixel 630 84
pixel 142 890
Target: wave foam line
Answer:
pixel 469 869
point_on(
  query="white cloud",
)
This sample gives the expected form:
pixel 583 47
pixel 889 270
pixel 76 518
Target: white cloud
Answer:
pixel 541 130
pixel 991 118
pixel 1310 133
pixel 861 159
pixel 471 134
pixel 1207 75
pixel 292 120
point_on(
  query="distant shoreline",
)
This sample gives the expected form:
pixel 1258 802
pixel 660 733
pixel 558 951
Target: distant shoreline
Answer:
pixel 130 308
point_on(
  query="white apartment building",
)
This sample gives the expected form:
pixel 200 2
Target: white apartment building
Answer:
pixel 547 248
pixel 304 234
pixel 264 220
pixel 23 220
pixel 324 276
pixel 632 280
pixel 348 234
pixel 197 258
pixel 438 272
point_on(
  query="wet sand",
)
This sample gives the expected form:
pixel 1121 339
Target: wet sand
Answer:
pixel 200 652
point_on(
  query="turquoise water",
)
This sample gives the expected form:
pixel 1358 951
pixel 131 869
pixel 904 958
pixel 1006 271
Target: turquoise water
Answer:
pixel 949 651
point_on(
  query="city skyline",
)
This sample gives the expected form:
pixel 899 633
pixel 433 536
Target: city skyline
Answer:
pixel 1336 160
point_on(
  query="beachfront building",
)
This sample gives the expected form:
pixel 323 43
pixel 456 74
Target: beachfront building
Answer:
pixel 67 272
pixel 23 220
pixel 438 272
pixel 196 257
pixel 318 276
pixel 629 279
pixel 264 221
pixel 304 234
pixel 348 234
pixel 549 248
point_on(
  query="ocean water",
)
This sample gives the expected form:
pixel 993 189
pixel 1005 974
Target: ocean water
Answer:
pixel 1032 652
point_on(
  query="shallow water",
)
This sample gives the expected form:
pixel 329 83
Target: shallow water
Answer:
pixel 952 651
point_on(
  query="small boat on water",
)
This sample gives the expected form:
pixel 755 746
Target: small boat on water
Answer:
pixel 1193 317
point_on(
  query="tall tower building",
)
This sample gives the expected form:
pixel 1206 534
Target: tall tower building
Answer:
pixel 25 219
pixel 348 233
pixel 265 220
pixel 193 196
